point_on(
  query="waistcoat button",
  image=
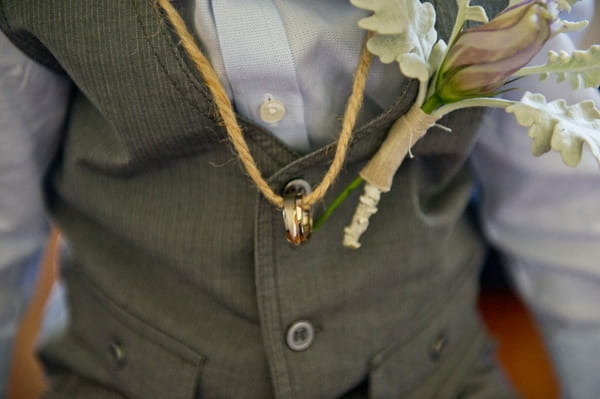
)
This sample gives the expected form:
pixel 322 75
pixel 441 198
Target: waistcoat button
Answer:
pixel 296 186
pixel 300 336
pixel 438 347
pixel 117 353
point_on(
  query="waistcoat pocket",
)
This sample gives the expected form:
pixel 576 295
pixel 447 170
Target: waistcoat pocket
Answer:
pixel 433 362
pixel 125 353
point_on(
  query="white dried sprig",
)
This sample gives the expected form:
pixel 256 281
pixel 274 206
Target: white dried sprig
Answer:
pixel 367 206
pixel 558 126
pixel 381 168
pixel 581 68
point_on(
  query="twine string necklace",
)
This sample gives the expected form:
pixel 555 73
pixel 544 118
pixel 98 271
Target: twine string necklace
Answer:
pixel 296 208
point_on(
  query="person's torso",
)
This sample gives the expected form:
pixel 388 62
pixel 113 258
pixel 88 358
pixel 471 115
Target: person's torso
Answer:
pixel 181 282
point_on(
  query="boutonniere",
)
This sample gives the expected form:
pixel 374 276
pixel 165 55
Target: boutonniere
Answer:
pixel 469 71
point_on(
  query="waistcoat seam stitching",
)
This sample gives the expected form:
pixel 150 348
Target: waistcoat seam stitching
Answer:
pixel 163 68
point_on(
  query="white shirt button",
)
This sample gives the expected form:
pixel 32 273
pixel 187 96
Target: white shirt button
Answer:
pixel 271 110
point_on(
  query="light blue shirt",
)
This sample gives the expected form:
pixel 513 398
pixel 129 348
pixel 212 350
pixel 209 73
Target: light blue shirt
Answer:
pixel 297 87
pixel 300 53
pixel 32 109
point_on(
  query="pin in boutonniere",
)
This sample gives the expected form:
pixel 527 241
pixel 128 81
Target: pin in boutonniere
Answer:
pixel 469 72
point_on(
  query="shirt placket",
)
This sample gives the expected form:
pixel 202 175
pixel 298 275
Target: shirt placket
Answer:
pixel 260 68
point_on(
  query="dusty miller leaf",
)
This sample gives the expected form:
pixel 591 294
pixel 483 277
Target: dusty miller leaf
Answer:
pixel 562 4
pixel 565 4
pixel 562 26
pixel 580 68
pixel 437 54
pixel 404 32
pixel 476 13
pixel 466 12
pixel 559 127
pixel 559 25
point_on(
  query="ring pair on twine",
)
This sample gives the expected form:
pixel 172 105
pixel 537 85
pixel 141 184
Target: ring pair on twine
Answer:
pixel 300 213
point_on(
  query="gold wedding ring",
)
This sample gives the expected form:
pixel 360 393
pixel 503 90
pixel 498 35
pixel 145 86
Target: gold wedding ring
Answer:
pixel 297 217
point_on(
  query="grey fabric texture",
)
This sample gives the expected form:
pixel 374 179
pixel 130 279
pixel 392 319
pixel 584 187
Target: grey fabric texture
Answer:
pixel 180 281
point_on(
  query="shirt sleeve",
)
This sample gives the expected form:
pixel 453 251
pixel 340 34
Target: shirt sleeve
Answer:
pixel 545 218
pixel 33 103
pixel 541 213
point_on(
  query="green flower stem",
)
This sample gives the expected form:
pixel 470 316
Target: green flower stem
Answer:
pixel 431 104
pixel 338 201
pixel 471 102
pixel 422 92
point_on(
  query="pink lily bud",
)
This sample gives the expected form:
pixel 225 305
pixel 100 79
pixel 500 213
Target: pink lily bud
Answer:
pixel 483 58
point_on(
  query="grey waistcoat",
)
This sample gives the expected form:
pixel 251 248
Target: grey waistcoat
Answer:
pixel 181 284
